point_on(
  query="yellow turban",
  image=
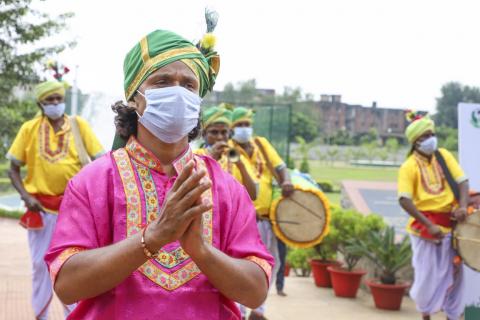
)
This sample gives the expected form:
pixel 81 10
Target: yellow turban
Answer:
pixel 47 88
pixel 419 127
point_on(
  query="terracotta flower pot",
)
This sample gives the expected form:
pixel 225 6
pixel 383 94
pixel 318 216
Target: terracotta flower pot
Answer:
pixel 345 283
pixel 287 270
pixel 321 276
pixel 387 296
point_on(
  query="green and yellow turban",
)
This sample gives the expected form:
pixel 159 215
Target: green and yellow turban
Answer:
pixel 47 88
pixel 162 47
pixel 242 114
pixel 419 127
pixel 217 115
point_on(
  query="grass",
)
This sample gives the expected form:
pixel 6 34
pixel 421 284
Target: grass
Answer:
pixel 335 174
pixel 334 197
pixel 10 214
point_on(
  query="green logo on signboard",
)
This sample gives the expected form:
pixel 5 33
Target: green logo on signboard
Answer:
pixel 475 118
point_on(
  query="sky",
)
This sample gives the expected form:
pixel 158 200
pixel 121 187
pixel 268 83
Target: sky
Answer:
pixel 397 53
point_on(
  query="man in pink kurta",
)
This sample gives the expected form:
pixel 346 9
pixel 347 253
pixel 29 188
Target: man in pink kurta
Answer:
pixel 120 193
pixel 152 231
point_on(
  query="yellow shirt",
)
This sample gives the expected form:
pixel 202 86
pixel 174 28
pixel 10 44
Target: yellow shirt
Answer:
pixel 262 173
pixel 423 181
pixel 51 158
pixel 229 166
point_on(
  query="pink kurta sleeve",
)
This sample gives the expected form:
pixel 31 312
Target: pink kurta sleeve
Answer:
pixel 84 220
pixel 240 238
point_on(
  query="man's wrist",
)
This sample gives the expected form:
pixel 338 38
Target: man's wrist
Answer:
pixel 24 196
pixel 152 241
pixel 202 254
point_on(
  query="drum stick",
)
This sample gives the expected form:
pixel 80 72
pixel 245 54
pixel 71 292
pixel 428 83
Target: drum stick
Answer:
pixel 285 221
pixel 308 209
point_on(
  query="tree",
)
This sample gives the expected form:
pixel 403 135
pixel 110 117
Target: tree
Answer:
pixel 247 91
pixel 304 165
pixel 303 126
pixel 370 137
pixel 332 153
pixel 358 153
pixel 11 118
pixel 342 138
pixel 371 150
pixel 452 94
pixel 392 146
pixel 21 28
pixel 447 138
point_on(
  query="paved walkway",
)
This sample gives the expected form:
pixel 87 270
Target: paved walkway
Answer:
pixel 304 300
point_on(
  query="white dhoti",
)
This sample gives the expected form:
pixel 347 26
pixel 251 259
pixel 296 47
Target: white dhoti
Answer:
pixel 42 292
pixel 270 241
pixel 438 284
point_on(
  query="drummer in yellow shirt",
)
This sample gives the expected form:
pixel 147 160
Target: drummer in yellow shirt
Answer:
pixel 266 164
pixel 425 195
pixel 216 123
pixel 46 146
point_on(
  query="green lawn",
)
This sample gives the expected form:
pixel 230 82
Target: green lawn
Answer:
pixel 334 198
pixel 335 174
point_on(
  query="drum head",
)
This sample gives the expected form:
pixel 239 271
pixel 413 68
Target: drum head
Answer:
pixel 301 220
pixel 467 240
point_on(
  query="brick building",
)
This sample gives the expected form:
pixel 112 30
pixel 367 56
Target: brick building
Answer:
pixel 357 119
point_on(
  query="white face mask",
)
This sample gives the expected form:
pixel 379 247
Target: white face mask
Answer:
pixel 54 111
pixel 242 134
pixel 171 112
pixel 428 146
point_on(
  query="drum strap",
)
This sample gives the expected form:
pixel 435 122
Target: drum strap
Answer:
pixel 448 175
pixel 267 160
pixel 79 143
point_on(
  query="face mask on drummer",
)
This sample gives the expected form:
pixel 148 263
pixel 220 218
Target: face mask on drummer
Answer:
pixel 428 146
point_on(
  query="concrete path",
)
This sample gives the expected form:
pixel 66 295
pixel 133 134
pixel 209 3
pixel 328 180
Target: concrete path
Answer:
pixel 304 300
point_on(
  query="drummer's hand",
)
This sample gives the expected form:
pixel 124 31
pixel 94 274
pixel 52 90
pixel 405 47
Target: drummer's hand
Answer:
pixel 460 214
pixel 182 205
pixel 435 231
pixel 32 203
pixel 287 188
pixel 217 149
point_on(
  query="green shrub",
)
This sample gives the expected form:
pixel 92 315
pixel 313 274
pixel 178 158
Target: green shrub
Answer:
pixel 298 259
pixel 350 225
pixel 380 248
pixel 304 166
pixel 326 186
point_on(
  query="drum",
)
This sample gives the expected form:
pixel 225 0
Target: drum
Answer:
pixel 466 237
pixel 301 220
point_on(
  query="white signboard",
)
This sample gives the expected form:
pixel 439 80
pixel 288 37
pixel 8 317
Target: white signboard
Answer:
pixel 469 154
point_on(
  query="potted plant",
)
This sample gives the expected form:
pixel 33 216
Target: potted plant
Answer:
pixel 298 261
pixel 389 256
pixel 325 256
pixel 350 225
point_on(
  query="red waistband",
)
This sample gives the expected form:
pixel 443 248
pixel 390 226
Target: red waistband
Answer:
pixel 440 219
pixel 49 202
